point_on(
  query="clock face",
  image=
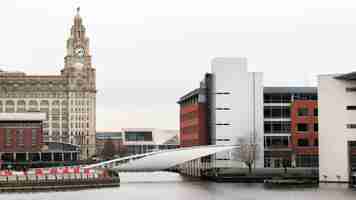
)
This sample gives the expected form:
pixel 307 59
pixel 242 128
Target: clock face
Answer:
pixel 79 52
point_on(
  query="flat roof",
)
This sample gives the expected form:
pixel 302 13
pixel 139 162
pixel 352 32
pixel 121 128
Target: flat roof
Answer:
pixel 347 77
pixel 29 116
pixel 190 94
pixel 290 90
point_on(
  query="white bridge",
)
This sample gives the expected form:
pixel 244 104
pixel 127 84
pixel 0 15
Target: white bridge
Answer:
pixel 160 160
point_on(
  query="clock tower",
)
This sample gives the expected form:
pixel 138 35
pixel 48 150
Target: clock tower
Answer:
pixel 77 45
pixel 81 88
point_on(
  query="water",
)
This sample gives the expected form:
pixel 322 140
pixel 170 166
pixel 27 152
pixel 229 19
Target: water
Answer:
pixel 171 186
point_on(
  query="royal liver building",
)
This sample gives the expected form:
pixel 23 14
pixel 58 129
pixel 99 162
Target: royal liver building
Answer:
pixel 68 98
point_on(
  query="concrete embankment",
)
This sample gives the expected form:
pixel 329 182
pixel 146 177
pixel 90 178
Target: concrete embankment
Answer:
pixel 288 176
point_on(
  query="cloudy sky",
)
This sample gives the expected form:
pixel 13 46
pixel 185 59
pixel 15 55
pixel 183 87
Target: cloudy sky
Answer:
pixel 150 52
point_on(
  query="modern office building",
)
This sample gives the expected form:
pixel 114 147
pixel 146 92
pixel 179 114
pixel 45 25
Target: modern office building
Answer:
pixel 236 108
pixel 337 126
pixel 304 129
pixel 277 105
pixel 69 99
pixel 194 116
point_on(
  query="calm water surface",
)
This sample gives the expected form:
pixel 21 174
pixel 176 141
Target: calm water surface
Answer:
pixel 170 186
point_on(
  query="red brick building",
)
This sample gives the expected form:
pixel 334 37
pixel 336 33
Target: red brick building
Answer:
pixel 304 133
pixel 21 143
pixel 194 118
pixel 21 132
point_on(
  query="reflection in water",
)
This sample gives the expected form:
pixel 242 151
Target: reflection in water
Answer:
pixel 171 186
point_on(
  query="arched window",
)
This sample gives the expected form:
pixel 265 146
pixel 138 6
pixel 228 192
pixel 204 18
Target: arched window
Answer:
pixel 33 105
pixel 9 106
pixel 21 106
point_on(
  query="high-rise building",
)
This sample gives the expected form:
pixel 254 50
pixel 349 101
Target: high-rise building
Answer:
pixel 69 99
pixel 236 106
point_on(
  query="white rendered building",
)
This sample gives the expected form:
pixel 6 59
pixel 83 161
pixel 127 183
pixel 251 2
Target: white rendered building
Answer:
pixel 236 106
pixel 337 125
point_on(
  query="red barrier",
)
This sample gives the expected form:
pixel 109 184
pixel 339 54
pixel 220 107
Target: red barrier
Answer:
pixel 39 172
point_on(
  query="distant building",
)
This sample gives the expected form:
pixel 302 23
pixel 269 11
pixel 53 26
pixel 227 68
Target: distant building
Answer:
pixel 337 126
pixel 139 140
pixel 278 120
pixel 103 137
pixel 143 140
pixel 68 98
pixel 304 129
pixel 194 117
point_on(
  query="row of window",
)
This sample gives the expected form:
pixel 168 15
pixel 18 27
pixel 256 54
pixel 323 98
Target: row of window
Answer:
pixel 276 112
pixel 288 97
pixel 19 137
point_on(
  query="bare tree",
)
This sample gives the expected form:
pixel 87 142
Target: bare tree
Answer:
pixel 109 149
pixel 247 153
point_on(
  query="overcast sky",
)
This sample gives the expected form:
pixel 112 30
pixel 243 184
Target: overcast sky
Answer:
pixel 149 53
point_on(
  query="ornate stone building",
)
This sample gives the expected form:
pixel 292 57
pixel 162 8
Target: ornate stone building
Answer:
pixel 69 99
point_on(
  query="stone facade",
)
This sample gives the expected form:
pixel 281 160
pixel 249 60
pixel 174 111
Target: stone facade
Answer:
pixel 69 99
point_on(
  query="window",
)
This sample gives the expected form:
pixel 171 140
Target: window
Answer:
pixel 20 137
pixel 276 112
pixel 277 127
pixel 316 129
pixel 8 136
pixel 351 125
pixel 315 112
pixel 138 136
pixel 303 142
pixel 351 89
pixel 302 127
pixel 276 141
pixel 34 136
pixel 303 112
pixel 350 107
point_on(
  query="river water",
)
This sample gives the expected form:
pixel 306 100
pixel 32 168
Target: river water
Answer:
pixel 171 186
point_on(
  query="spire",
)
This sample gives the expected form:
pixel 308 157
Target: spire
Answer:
pixel 78 30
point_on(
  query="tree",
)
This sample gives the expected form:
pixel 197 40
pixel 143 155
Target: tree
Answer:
pixel 247 153
pixel 122 150
pixel 109 149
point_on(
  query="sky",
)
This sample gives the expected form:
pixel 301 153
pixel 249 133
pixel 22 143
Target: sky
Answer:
pixel 149 53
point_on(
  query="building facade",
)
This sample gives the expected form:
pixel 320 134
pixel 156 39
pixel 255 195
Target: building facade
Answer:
pixel 194 117
pixel 337 125
pixel 69 99
pixel 277 105
pixel 236 106
pixel 304 129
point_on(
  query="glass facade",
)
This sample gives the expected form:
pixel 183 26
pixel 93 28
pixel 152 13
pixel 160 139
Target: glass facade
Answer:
pixel 139 136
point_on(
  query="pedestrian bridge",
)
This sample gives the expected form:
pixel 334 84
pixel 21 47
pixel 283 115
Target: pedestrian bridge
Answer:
pixel 160 160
